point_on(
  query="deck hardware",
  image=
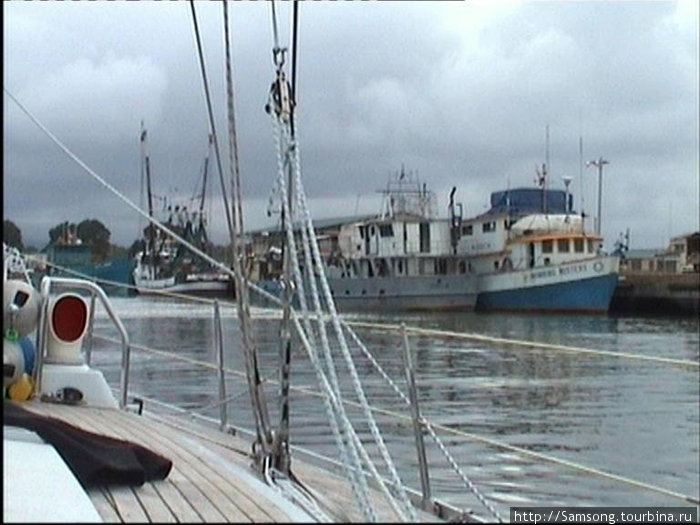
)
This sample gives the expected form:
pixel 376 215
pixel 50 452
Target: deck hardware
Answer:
pixel 219 352
pixel 139 402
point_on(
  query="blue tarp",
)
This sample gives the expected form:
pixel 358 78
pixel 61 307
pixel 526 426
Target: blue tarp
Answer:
pixel 521 201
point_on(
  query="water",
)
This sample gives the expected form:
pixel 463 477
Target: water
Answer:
pixel 631 418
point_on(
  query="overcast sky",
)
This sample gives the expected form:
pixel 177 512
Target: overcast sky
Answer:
pixel 459 92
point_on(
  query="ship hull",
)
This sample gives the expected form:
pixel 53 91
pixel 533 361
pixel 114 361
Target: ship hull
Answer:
pixel 578 286
pixel 117 271
pixel 419 293
pixel 199 287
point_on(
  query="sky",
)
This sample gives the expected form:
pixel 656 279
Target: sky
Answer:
pixel 463 94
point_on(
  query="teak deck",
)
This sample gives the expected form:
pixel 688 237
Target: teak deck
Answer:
pixel 211 479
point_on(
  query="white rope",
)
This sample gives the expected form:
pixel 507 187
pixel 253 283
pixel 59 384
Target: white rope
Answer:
pixel 320 270
pixel 14 262
pixel 335 411
pixel 435 437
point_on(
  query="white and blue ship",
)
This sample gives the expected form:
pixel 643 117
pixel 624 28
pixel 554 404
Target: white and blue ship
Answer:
pixel 534 259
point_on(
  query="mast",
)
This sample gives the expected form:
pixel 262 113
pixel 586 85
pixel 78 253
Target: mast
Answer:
pixel 151 232
pixel 544 171
pixel 200 228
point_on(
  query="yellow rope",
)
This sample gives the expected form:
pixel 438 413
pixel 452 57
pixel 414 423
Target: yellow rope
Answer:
pixel 519 343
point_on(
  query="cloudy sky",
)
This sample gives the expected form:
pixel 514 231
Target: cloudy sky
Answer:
pixel 459 92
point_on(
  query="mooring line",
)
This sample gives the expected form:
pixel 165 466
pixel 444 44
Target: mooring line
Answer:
pixel 531 344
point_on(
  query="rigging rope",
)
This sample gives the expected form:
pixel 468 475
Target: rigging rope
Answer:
pixel 257 396
pixel 281 109
pixel 335 410
pixel 531 344
pixel 288 153
pixel 211 119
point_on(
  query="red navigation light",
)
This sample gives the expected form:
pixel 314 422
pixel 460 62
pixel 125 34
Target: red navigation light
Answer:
pixel 69 318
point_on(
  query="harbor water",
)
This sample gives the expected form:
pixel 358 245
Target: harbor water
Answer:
pixel 596 415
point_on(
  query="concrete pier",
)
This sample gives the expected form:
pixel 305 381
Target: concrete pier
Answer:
pixel 658 293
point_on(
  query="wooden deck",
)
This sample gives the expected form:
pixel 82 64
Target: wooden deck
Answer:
pixel 211 479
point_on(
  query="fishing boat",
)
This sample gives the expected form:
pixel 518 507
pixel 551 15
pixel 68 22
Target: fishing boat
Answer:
pixel 399 259
pixel 68 256
pixel 531 252
pixel 166 265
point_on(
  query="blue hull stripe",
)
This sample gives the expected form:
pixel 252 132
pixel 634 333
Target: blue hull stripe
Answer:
pixel 592 294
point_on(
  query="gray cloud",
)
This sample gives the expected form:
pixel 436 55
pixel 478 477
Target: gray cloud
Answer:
pixel 460 92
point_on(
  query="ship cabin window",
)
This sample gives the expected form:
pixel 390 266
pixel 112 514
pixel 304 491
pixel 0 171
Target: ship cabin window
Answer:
pixel 591 247
pixel 488 227
pixel 578 245
pixel 462 267
pixel 362 232
pixel 399 266
pixel 546 246
pixel 636 265
pixel 440 266
pixel 563 245
pixel 386 230
pixel 495 265
pixel 468 229
pixel 424 237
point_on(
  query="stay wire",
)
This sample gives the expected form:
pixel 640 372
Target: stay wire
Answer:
pixel 257 394
pixel 211 119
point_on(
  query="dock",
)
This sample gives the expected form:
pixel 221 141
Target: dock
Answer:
pixel 658 293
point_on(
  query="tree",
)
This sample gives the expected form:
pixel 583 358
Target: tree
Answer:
pixel 91 232
pixel 12 235
pixel 96 234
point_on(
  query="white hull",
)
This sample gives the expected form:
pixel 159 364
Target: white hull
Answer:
pixel 567 272
pixel 194 286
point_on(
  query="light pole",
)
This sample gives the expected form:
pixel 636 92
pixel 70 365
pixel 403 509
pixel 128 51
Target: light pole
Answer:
pixel 567 180
pixel 598 164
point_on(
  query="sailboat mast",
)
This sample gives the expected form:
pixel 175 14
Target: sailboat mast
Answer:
pixel 204 179
pixel 147 166
pixel 544 171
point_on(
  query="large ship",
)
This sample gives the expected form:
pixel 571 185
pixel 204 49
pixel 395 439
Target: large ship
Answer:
pixel 399 259
pixel 533 253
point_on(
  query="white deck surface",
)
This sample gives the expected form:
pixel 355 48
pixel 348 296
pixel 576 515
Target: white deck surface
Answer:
pixel 39 487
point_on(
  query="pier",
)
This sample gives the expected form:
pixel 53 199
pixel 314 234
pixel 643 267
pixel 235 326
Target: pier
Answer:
pixel 666 293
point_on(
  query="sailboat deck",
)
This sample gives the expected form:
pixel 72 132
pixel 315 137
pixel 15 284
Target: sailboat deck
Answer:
pixel 211 479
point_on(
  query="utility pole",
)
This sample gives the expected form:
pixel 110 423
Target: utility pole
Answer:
pixel 598 164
